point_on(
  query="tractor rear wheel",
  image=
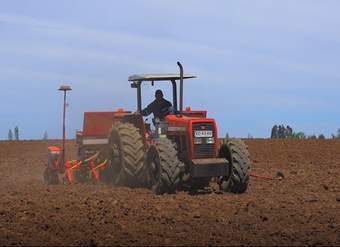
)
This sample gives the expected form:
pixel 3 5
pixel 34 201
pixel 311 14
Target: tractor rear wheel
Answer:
pixel 236 152
pixel 50 176
pixel 127 155
pixel 164 167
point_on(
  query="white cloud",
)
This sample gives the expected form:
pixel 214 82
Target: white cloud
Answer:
pixel 107 38
pixel 149 53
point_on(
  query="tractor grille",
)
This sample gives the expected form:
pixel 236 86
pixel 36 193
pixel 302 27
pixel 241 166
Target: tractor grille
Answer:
pixel 203 150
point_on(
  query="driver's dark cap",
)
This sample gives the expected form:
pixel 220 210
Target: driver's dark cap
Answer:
pixel 158 93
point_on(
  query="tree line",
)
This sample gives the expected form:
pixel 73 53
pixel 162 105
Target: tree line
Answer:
pixel 12 137
pixel 15 136
pixel 287 132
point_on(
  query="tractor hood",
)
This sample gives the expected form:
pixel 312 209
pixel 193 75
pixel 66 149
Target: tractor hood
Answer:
pixel 200 132
pixel 177 123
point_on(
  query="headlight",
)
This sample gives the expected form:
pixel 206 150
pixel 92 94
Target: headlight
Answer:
pixel 210 140
pixel 198 140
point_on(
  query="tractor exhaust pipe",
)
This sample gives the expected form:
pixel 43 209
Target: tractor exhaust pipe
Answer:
pixel 180 88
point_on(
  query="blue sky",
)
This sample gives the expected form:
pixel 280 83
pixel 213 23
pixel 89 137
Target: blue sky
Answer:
pixel 258 62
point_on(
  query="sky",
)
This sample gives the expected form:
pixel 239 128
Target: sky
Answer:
pixel 257 62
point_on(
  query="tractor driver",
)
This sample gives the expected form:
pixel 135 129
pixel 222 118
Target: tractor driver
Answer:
pixel 160 107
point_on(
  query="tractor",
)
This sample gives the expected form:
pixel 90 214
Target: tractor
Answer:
pixel 180 150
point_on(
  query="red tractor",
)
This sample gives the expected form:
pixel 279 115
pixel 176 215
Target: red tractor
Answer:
pixel 182 149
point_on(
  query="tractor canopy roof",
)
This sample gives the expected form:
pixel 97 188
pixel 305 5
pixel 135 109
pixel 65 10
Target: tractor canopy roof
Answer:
pixel 158 77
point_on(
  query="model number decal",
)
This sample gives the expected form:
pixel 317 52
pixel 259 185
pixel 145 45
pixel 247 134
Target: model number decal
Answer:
pixel 177 129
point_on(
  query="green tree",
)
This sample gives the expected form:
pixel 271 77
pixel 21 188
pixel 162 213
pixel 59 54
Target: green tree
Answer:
pixel 16 133
pixel 274 133
pixel 45 136
pixel 298 135
pixel 10 135
pixel 312 137
pixel 227 136
pixel 321 137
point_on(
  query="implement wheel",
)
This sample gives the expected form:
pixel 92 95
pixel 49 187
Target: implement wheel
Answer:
pixel 164 167
pixel 236 152
pixel 127 155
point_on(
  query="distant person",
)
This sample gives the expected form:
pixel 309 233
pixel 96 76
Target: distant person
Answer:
pixel 160 107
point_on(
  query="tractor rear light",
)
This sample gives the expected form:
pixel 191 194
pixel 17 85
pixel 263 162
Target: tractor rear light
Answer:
pixel 210 140
pixel 198 140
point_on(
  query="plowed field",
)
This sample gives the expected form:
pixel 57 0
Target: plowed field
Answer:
pixel 302 209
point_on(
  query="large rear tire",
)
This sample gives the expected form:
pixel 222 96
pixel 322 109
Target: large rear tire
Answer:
pixel 127 155
pixel 236 152
pixel 164 167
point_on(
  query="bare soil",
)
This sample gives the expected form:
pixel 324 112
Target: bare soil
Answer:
pixel 302 209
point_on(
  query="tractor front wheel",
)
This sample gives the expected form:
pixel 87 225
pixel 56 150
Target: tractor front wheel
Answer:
pixel 164 167
pixel 236 152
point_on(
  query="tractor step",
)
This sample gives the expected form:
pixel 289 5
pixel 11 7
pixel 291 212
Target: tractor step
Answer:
pixel 213 167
